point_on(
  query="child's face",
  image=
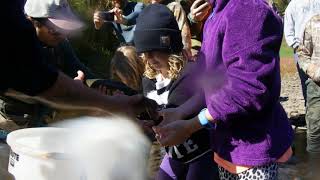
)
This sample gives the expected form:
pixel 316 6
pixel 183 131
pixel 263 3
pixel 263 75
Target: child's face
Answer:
pixel 158 60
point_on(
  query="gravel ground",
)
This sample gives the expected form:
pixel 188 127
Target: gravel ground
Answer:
pixel 291 95
pixel 293 102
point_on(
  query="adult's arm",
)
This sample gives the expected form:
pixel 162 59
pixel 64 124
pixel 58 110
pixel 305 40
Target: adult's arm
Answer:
pixel 181 19
pixel 23 69
pixel 289 30
pixel 66 93
pixel 192 106
pixel 305 51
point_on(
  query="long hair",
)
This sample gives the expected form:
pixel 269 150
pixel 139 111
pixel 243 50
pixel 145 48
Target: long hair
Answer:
pixel 127 67
pixel 176 64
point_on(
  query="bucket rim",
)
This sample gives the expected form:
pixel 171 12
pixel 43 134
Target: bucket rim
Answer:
pixel 30 151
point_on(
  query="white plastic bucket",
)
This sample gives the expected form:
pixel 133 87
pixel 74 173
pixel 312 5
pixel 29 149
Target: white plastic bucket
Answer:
pixel 41 154
pixel 85 148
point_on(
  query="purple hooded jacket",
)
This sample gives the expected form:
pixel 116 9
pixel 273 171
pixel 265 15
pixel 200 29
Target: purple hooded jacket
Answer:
pixel 240 52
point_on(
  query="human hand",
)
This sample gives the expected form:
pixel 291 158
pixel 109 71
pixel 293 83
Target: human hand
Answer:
pixel 118 17
pixel 110 92
pixel 150 111
pixel 117 92
pixel 173 133
pixel 146 126
pixel 171 114
pixel 97 20
pixel 199 10
pixel 104 90
pixel 80 77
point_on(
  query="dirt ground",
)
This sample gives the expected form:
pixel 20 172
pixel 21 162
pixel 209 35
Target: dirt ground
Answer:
pixel 291 93
pixel 292 100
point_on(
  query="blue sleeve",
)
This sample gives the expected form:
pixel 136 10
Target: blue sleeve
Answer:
pixel 132 17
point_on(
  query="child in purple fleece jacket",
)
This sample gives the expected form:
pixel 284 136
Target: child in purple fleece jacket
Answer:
pixel 250 131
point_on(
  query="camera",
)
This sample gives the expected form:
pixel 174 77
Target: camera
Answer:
pixel 106 16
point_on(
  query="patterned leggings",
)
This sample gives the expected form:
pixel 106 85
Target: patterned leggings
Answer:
pixel 267 172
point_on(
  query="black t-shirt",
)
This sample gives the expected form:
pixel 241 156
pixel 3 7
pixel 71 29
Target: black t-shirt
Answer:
pixel 21 66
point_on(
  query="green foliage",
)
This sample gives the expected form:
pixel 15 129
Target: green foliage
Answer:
pixel 285 50
pixel 281 5
pixel 94 47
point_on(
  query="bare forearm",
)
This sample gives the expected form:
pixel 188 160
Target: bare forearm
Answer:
pixel 193 105
pixel 66 93
pixel 186 36
pixel 193 125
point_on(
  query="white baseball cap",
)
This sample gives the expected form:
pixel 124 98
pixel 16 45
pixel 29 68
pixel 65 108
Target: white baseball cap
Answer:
pixel 58 12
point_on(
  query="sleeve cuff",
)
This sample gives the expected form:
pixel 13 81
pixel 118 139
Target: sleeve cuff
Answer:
pixel 217 117
pixel 192 21
pixel 295 45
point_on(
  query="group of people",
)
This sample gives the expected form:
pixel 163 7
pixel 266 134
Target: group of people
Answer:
pixel 221 116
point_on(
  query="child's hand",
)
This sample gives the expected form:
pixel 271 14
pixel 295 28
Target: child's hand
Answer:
pixel 118 16
pixel 117 92
pixel 171 114
pixel 104 90
pixel 199 10
pixel 173 133
pixel 146 126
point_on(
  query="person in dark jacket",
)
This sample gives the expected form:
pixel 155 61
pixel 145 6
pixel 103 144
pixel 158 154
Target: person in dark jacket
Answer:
pixel 167 80
pixel 48 19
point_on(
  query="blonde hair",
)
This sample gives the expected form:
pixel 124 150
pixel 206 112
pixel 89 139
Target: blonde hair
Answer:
pixel 127 63
pixel 176 64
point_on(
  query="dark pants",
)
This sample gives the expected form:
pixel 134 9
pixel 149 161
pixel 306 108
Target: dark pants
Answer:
pixel 313 117
pixel 203 168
